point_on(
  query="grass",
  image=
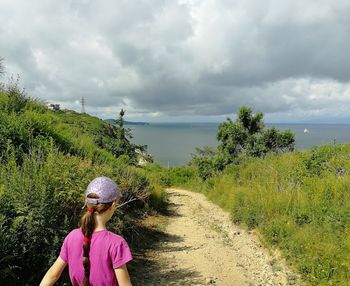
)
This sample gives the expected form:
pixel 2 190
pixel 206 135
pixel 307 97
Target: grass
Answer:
pixel 299 202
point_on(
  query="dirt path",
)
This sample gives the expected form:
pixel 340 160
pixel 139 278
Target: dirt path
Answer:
pixel 201 246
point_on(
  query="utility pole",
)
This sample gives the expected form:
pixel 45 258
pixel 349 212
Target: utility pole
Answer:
pixel 83 105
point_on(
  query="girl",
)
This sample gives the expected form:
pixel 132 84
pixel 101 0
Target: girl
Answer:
pixel 95 256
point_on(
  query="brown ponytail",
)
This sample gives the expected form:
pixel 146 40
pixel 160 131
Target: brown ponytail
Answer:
pixel 88 224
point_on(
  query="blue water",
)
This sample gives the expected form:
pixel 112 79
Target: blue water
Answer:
pixel 173 143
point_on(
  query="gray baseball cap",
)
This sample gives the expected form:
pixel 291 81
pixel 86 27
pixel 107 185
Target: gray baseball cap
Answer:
pixel 106 190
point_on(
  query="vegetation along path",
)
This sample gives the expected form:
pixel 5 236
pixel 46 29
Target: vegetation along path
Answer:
pixel 201 246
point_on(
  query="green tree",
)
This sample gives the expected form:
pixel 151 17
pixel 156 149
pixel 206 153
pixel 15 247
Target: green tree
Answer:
pixel 247 136
pixel 121 144
pixel 120 120
pixel 204 160
pixel 251 123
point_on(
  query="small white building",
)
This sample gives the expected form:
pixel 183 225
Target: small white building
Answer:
pixel 53 106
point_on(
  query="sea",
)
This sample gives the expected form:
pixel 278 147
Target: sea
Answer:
pixel 172 144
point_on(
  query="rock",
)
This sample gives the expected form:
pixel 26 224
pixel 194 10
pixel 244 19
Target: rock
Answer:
pixel 210 281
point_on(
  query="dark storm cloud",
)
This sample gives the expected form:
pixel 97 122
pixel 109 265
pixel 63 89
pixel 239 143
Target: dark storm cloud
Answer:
pixel 181 58
pixel 290 50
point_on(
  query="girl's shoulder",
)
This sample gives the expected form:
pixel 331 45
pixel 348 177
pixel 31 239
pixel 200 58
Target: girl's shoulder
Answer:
pixel 118 249
pixel 109 239
pixel 75 233
pixel 114 237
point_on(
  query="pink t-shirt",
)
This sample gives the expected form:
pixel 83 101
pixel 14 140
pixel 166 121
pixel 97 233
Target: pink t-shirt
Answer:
pixel 107 252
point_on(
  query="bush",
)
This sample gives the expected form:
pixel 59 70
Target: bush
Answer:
pixel 240 139
pixel 41 202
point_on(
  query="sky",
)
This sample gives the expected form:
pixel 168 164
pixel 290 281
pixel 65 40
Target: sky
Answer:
pixel 188 60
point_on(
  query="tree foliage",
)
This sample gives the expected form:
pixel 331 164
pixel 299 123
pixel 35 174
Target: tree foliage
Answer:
pixel 246 136
pixel 121 144
pixel 203 159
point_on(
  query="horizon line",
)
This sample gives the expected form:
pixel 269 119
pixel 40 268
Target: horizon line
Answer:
pixel 218 122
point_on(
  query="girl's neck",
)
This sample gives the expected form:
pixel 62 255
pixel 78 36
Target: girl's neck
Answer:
pixel 100 223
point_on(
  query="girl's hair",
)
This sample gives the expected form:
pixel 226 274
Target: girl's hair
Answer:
pixel 88 225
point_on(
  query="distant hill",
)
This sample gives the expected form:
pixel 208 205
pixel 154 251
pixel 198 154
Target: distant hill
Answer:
pixel 112 121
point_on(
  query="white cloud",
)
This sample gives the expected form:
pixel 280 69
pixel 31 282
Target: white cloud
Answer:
pixel 183 59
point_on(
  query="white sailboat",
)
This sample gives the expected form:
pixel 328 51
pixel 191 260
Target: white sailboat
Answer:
pixel 306 130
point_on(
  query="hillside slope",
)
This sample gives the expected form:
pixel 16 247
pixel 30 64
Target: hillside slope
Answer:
pixel 47 158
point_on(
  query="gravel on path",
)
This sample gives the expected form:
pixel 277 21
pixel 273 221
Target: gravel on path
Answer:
pixel 202 246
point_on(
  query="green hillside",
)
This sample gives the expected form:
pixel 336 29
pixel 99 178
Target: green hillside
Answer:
pixel 47 158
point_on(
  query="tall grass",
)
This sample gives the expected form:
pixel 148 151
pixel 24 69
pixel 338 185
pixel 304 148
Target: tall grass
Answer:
pixel 46 161
pixel 299 202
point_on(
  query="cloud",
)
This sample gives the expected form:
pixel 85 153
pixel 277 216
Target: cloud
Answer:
pixel 182 59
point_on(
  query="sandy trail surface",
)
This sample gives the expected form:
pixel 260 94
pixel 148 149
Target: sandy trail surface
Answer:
pixel 201 246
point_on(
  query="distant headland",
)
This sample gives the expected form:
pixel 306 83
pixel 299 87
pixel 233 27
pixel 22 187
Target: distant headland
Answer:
pixel 113 121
